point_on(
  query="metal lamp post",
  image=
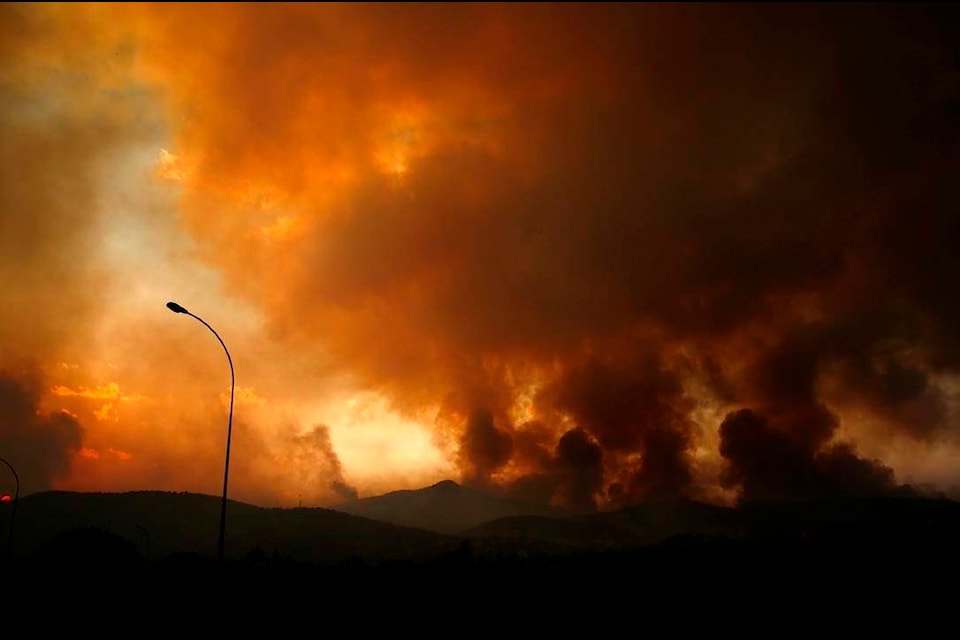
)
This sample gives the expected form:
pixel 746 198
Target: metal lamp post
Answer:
pixel 173 306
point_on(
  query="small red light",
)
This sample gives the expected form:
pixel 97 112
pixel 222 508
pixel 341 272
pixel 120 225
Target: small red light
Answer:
pixel 6 498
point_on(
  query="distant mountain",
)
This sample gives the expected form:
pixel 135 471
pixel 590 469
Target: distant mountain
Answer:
pixel 445 507
pixel 162 524
pixel 632 527
pixel 841 524
pixel 70 545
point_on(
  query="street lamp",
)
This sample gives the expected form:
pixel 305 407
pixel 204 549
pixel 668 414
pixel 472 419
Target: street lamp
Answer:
pixel 173 306
pixel 13 512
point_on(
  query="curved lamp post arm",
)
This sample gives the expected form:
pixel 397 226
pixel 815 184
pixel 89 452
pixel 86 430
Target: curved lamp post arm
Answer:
pixel 226 465
pixel 173 306
pixel 13 514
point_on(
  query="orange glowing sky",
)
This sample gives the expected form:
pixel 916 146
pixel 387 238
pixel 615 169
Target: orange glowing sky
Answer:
pixel 542 249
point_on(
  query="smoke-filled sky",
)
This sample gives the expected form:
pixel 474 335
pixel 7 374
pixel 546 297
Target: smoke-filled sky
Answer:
pixel 579 254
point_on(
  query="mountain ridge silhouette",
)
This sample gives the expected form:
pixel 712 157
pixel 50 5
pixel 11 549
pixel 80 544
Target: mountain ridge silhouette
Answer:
pixel 445 507
pixel 162 524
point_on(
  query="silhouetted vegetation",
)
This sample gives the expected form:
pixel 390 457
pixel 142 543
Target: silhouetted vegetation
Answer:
pixel 838 548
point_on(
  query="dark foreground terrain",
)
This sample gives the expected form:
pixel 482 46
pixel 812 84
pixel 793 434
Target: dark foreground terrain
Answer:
pixel 751 587
pixel 863 560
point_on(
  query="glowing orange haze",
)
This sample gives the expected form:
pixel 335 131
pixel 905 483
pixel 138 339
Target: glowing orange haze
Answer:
pixel 544 249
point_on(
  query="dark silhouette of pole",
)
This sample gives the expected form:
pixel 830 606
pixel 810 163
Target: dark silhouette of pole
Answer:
pixel 173 306
pixel 13 512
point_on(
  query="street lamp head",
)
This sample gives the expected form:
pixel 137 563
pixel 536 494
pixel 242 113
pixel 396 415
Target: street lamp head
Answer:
pixel 173 306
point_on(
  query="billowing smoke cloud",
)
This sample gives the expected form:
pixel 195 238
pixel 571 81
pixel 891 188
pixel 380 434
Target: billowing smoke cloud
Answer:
pixel 56 147
pixel 584 234
pixel 321 472
pixel 770 463
pixel 571 475
pixel 648 186
pixel 39 446
pixel 632 408
pixel 579 462
pixel 484 448
pixel 48 249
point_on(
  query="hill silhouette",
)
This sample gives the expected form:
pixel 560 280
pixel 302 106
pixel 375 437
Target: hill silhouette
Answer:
pixel 896 526
pixel 160 524
pixel 445 507
pixel 156 525
pixel 626 528
pixel 165 543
